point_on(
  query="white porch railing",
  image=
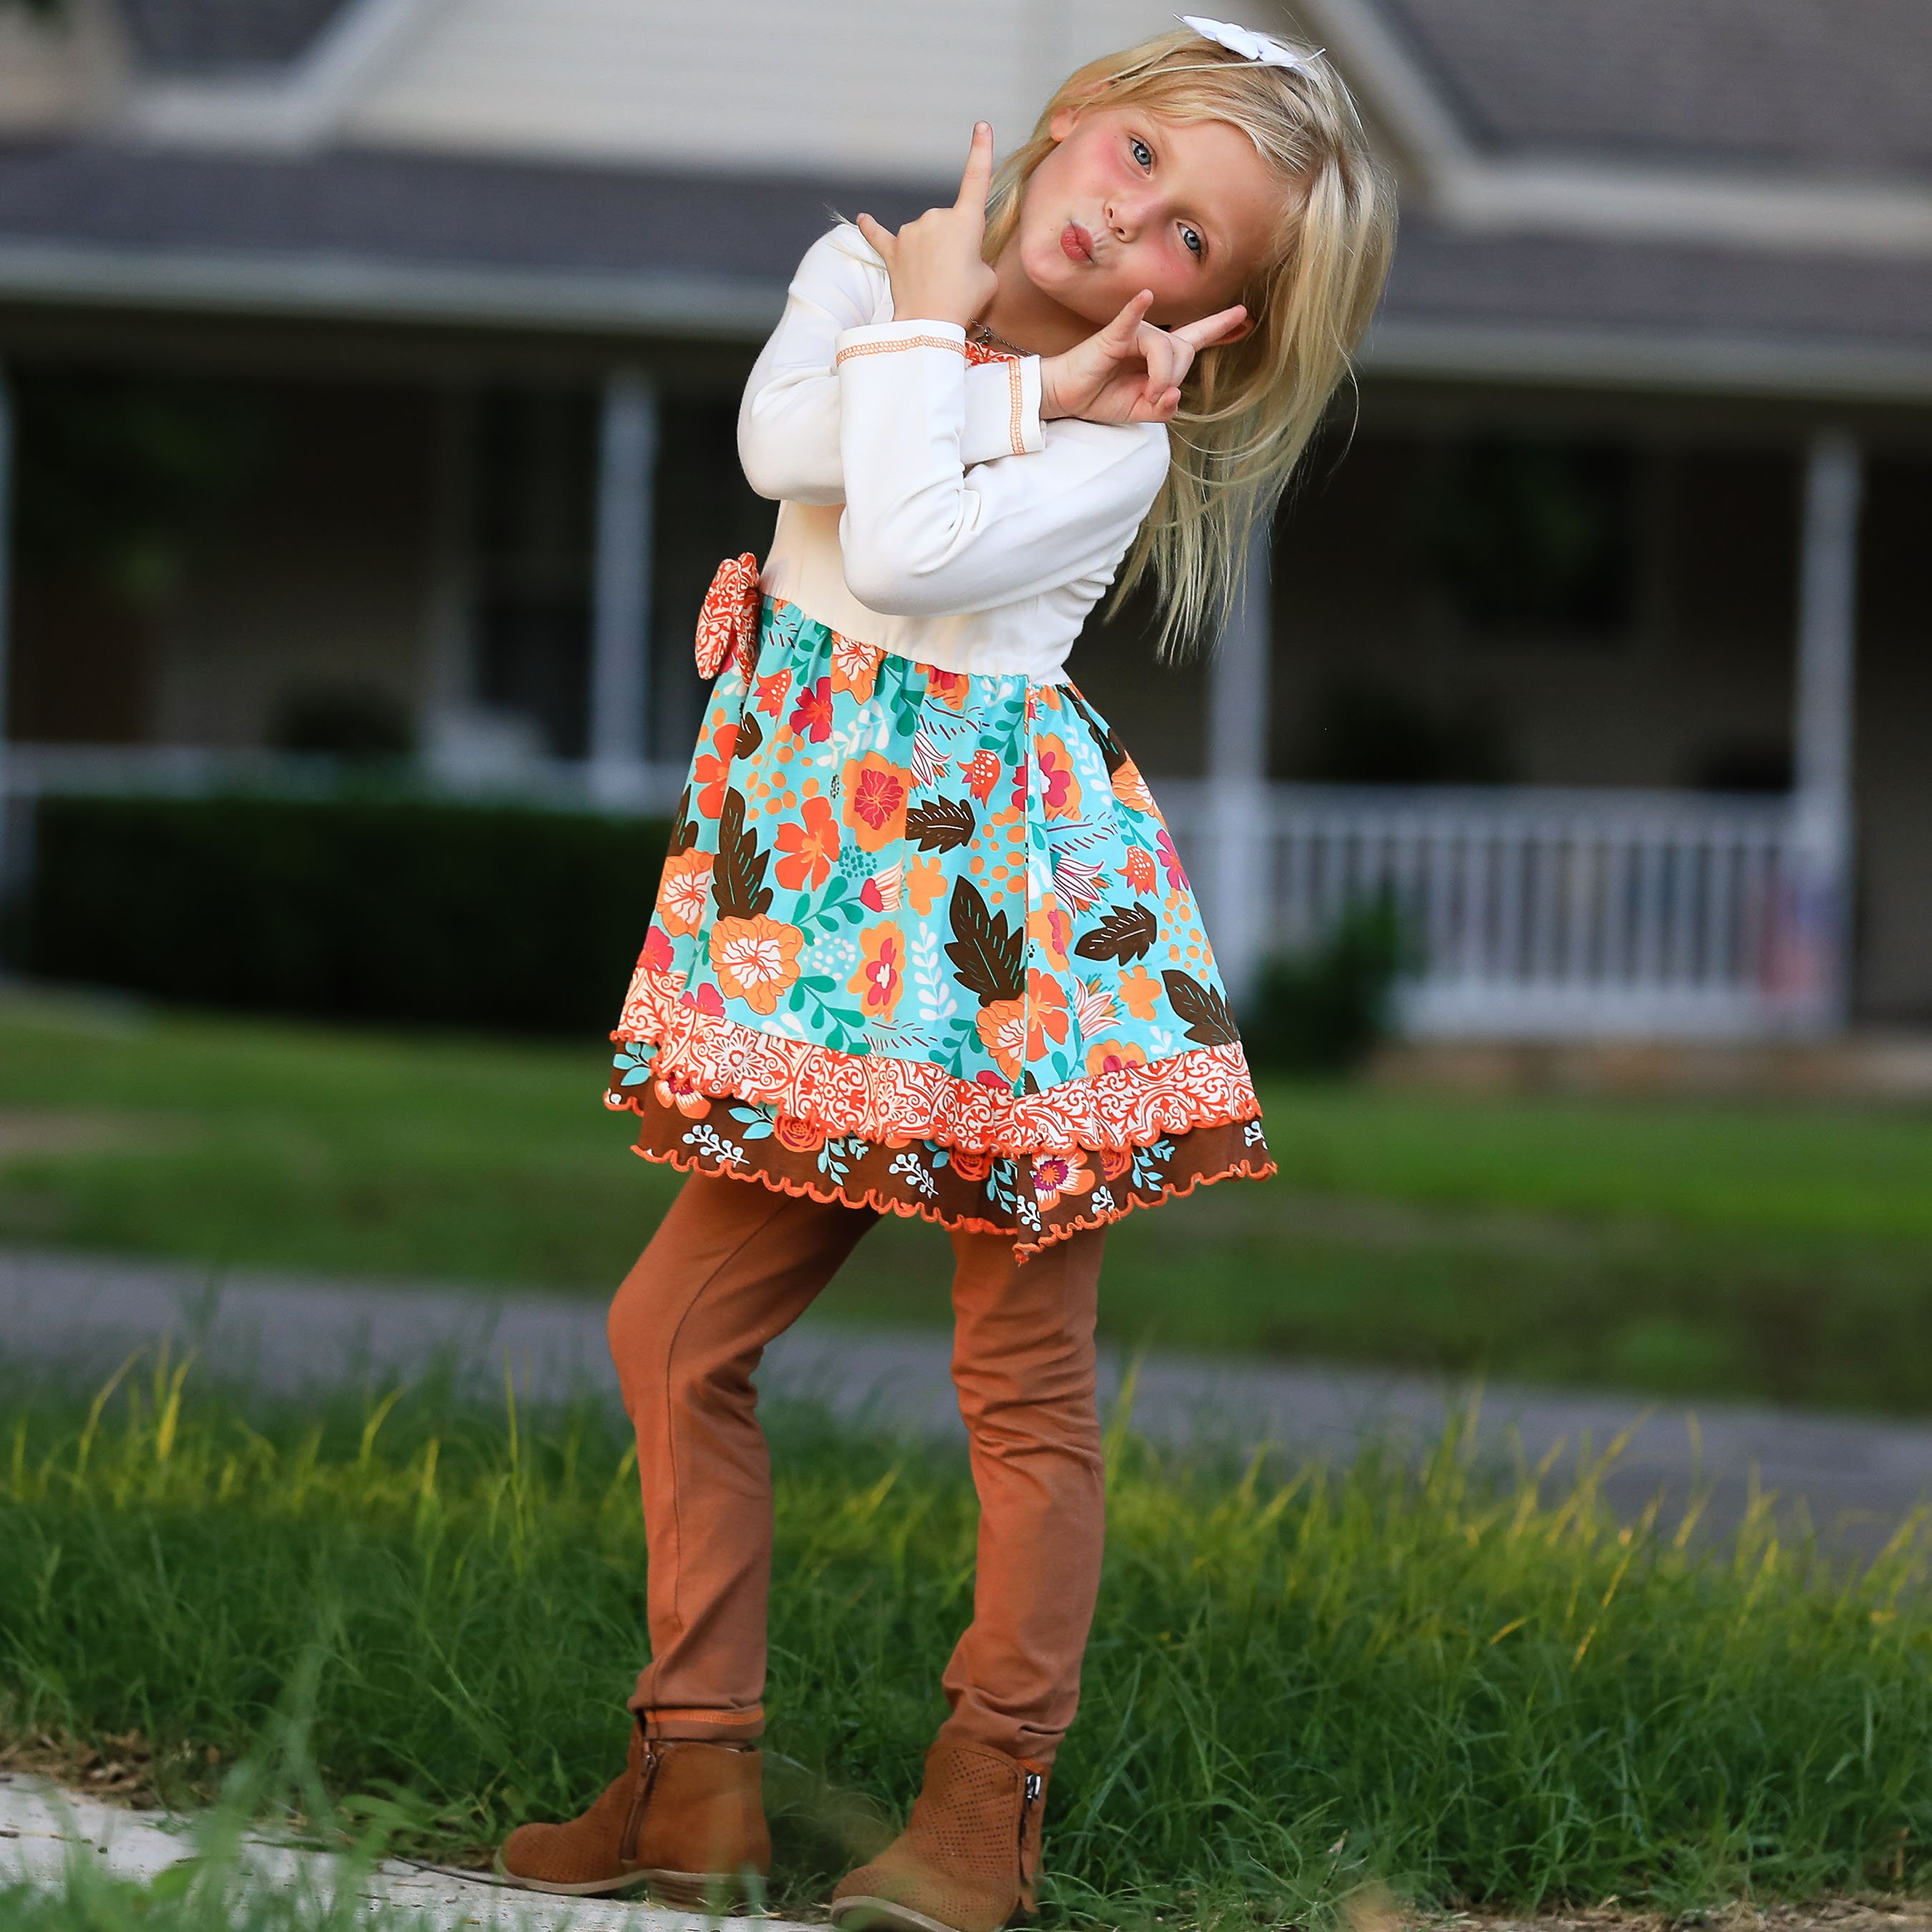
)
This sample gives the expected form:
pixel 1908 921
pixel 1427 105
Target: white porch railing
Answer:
pixel 1539 912
pixel 1532 912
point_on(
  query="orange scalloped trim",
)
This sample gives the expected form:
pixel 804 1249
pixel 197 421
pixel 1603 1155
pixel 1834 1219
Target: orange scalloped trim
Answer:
pixel 909 1210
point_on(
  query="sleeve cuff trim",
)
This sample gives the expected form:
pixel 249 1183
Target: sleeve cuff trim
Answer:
pixel 876 341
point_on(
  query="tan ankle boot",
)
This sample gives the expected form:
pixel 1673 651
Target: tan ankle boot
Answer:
pixel 686 1818
pixel 968 1857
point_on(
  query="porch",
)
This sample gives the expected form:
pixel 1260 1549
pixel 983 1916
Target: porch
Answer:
pixel 551 667
pixel 1550 912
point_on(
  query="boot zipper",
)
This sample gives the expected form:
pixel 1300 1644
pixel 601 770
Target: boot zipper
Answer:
pixel 634 1820
pixel 1032 1789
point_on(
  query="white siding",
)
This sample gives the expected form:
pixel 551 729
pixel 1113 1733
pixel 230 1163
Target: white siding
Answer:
pixel 52 74
pixel 859 86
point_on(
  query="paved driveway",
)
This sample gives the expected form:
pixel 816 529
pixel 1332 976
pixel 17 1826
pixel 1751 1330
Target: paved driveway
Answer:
pixel 1857 1478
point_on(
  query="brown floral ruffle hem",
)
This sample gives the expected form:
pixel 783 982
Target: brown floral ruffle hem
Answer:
pixel 1037 1199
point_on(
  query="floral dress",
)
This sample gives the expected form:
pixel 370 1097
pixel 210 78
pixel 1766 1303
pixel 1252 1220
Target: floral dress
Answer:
pixel 922 944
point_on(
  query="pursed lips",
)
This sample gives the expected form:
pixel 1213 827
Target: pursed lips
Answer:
pixel 1075 243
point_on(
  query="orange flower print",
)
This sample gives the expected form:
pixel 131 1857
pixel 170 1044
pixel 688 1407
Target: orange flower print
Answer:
pixel 799 1136
pixel 680 1090
pixel 971 1166
pixel 1046 1005
pixel 808 850
pixel 1002 1033
pixel 855 667
pixel 755 959
pixel 1059 790
pixel 875 791
pixel 1014 1031
pixel 772 692
pixel 1138 871
pixel 881 978
pixel 1131 789
pixel 1140 989
pixel 881 893
pixel 950 688
pixel 712 770
pixel 924 884
pixel 811 715
pixel 982 772
pixel 1054 1174
pixel 685 891
pixel 1110 1056
pixel 1115 1161
pixel 1050 929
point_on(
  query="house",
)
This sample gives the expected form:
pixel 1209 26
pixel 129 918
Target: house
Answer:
pixel 372 366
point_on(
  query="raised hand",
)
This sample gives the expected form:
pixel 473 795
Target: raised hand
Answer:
pixel 1130 371
pixel 937 272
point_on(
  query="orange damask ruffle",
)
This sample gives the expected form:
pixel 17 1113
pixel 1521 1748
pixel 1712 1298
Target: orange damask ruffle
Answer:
pixel 728 623
pixel 881 1099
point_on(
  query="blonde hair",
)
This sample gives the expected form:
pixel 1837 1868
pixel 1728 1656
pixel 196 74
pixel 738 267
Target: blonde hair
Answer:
pixel 1248 408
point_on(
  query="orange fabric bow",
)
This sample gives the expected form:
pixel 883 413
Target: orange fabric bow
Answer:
pixel 727 625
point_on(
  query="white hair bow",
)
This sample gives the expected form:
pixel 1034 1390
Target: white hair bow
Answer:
pixel 1262 47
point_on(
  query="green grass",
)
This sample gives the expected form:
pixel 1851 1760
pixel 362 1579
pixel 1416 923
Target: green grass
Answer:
pixel 1769 1250
pixel 221 1900
pixel 1299 1683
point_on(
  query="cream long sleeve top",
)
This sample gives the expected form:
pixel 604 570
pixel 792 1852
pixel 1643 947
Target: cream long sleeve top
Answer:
pixel 923 505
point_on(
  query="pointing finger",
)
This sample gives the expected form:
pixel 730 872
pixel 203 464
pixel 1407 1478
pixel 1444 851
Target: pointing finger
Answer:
pixel 976 182
pixel 1210 328
pixel 1122 332
pixel 881 238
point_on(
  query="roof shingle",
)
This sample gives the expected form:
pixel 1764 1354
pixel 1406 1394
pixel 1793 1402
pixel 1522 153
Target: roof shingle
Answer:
pixel 545 223
pixel 221 36
pixel 1833 86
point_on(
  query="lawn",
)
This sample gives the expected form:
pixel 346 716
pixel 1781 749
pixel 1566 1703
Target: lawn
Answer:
pixel 1300 1684
pixel 1770 1250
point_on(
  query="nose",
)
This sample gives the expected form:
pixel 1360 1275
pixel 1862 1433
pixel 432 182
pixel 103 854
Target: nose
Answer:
pixel 1124 212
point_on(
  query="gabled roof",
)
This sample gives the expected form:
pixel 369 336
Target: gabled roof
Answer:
pixel 364 234
pixel 359 234
pixel 1552 230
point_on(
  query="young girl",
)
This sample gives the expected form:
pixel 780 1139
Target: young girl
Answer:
pixel 922 944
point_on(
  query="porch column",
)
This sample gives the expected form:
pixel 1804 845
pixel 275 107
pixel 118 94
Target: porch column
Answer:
pixel 1820 972
pixel 7 453
pixel 1236 900
pixel 621 621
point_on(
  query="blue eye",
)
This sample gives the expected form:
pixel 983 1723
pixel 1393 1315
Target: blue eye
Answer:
pixel 1192 241
pixel 1143 153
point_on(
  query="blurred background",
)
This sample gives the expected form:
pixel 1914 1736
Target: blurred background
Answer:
pixel 367 376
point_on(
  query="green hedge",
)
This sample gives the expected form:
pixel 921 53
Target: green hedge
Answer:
pixel 376 908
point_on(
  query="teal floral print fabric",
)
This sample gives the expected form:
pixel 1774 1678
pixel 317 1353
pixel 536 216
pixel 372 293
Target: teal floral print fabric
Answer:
pixel 923 942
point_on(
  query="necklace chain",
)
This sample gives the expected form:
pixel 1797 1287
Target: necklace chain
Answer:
pixel 986 334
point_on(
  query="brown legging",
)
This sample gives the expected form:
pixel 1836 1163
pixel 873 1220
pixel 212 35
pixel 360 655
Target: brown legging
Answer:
pixel 732 1265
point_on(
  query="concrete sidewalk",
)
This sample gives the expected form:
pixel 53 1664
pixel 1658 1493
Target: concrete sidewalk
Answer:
pixel 1857 1478
pixel 49 1838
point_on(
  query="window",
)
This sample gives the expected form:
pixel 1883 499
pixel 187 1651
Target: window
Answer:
pixel 536 469
pixel 1531 540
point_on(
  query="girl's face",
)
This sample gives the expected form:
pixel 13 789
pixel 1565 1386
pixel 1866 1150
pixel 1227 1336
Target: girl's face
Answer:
pixel 1129 200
